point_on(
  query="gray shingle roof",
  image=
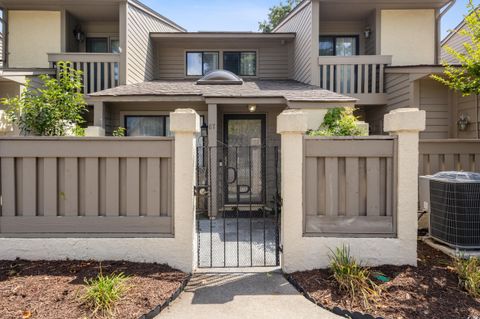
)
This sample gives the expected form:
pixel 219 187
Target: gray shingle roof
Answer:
pixel 288 89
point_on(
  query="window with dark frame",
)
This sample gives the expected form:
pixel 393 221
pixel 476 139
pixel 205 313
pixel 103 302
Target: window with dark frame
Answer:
pixel 200 63
pixel 97 45
pixel 347 45
pixel 240 63
pixel 147 125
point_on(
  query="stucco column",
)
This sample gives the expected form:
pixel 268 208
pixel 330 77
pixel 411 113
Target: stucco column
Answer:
pixel 291 125
pixel 185 123
pixel 406 124
pixel 98 128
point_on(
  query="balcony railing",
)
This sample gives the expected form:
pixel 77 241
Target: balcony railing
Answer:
pixel 100 70
pixel 360 76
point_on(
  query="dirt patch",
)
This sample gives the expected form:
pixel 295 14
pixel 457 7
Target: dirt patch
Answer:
pixel 428 291
pixel 52 289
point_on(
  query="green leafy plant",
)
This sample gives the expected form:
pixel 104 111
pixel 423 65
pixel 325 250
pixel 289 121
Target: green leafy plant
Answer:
pixel 468 271
pixel 56 108
pixel 352 277
pixel 339 122
pixel 104 291
pixel 120 131
pixel 276 15
pixel 466 77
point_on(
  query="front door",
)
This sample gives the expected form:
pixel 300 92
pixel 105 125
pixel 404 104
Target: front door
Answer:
pixel 245 140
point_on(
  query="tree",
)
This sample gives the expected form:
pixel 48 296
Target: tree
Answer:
pixel 54 109
pixel 466 77
pixel 276 15
pixel 339 122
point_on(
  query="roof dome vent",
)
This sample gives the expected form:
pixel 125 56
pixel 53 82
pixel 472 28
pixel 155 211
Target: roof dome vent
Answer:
pixel 221 77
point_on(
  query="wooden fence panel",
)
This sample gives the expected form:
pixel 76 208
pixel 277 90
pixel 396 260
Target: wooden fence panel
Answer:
pixel 74 186
pixel 357 178
pixel 449 155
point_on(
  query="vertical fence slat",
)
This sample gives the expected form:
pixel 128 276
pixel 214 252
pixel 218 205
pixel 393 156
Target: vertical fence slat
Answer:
pixel 465 162
pixel 381 79
pixel 91 187
pixel 112 193
pixel 8 189
pixel 477 162
pixel 342 187
pixel 374 78
pixel 434 163
pixel 324 77
pixel 133 187
pixel 331 186
pixel 153 187
pixel 311 186
pixel 353 187
pixel 50 187
pixel 373 187
pixel 29 191
pixel 389 188
pixel 70 195
pixel 366 78
pixel 449 162
pixel 359 78
pixel 332 78
pixel 352 79
pixel 112 74
pixel 85 77
pixel 321 186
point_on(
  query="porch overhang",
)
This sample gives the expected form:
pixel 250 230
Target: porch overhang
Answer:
pixel 290 93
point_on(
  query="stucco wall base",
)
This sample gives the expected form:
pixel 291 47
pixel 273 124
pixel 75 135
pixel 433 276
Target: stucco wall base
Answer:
pixel 313 253
pixel 160 250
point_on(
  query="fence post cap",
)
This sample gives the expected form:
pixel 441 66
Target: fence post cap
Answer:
pixel 405 119
pixel 184 120
pixel 292 121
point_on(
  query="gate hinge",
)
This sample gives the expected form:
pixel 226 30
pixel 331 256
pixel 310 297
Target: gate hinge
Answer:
pixel 201 190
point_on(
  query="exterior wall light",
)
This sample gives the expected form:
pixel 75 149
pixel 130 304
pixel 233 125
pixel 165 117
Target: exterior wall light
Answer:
pixel 204 130
pixel 368 32
pixel 252 108
pixel 79 34
pixel 463 122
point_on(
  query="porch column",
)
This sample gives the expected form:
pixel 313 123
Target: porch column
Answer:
pixel 212 153
pixel 185 123
pixel 406 124
pixel 292 125
pixel 98 128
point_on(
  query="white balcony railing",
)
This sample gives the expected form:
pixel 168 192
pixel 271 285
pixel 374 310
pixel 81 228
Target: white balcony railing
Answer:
pixel 360 76
pixel 100 70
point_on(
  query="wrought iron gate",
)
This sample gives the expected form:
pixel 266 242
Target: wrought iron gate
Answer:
pixel 238 206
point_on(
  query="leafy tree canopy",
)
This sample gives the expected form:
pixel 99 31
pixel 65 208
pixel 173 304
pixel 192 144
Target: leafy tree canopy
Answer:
pixel 339 122
pixel 54 109
pixel 466 77
pixel 276 15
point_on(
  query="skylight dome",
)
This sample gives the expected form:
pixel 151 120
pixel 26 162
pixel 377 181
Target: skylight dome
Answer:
pixel 222 77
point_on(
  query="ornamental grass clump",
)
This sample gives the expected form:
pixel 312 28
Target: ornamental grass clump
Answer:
pixel 352 277
pixel 103 292
pixel 468 271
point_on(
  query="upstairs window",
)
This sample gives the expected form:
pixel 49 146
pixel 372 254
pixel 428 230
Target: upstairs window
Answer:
pixel 200 63
pixel 240 63
pixel 338 45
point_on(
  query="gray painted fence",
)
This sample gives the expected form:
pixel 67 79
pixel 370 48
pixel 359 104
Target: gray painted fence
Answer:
pixel 448 155
pixel 349 186
pixel 101 187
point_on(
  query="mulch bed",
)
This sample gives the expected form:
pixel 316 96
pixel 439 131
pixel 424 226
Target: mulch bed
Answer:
pixel 53 289
pixel 429 291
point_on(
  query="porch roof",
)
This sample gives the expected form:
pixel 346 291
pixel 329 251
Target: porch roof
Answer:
pixel 288 90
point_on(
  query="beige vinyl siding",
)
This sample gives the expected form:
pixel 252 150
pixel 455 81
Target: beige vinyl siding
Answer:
pixel 140 53
pixel 272 56
pixel 434 99
pixel 301 24
pixel 455 41
pixel 398 91
pixel 371 43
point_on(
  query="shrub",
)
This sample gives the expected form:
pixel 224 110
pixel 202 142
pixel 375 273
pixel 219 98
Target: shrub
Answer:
pixel 339 122
pixel 352 277
pixel 104 291
pixel 54 109
pixel 120 131
pixel 468 271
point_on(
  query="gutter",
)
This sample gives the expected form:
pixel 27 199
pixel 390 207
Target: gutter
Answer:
pixel 440 14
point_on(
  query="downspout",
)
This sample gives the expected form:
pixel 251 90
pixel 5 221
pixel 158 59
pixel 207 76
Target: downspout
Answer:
pixel 440 15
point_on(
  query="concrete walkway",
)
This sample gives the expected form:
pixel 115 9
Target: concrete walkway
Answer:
pixel 242 295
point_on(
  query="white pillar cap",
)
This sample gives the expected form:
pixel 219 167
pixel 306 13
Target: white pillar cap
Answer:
pixel 405 119
pixel 184 121
pixel 292 121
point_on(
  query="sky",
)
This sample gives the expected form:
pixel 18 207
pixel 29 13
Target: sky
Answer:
pixel 230 15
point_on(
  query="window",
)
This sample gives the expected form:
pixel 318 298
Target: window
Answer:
pixel 240 63
pixel 338 45
pixel 97 45
pixel 145 125
pixel 200 63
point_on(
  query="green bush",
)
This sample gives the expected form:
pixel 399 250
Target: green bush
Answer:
pixel 104 291
pixel 54 109
pixel 119 132
pixel 352 277
pixel 468 271
pixel 338 122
